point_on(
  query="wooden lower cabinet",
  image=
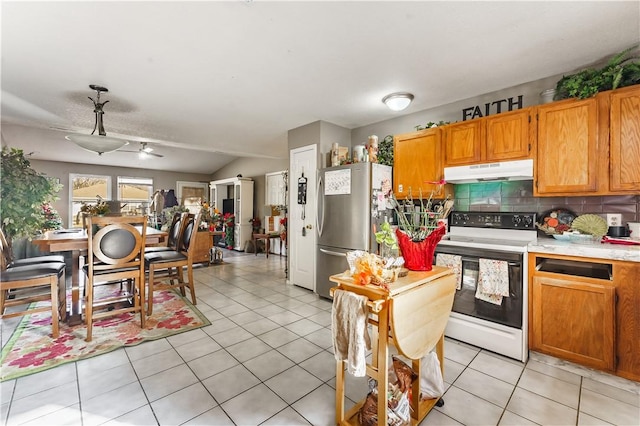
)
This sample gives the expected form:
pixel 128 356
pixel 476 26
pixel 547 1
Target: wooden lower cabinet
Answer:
pixel 574 320
pixel 203 242
pixel 590 320
pixel 628 320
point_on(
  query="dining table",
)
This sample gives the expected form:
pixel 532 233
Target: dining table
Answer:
pixel 76 241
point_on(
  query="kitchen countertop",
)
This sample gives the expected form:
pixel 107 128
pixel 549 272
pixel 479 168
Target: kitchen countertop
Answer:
pixel 627 253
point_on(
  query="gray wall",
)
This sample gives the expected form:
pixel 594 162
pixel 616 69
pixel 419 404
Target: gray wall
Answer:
pixel 320 133
pixel 60 170
pixel 451 112
pixel 254 168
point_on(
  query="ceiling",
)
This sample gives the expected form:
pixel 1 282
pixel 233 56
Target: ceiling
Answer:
pixel 208 82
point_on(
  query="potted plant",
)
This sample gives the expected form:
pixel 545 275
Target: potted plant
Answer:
pixel 385 151
pixel 387 240
pixel 620 71
pixel 23 193
pixel 229 220
pixel 418 236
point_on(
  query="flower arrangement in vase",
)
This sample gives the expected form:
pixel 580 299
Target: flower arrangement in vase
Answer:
pixel 420 231
pixel 255 224
pixel 99 208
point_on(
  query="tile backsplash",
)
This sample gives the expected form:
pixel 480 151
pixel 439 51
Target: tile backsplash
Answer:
pixel 517 196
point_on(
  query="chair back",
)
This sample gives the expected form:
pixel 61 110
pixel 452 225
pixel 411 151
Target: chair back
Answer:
pixel 189 229
pixel 174 231
pixel 116 242
pixel 5 258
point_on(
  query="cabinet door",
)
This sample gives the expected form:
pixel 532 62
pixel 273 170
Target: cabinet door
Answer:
pixel 463 143
pixel 508 135
pixel 567 160
pixel 574 320
pixel 627 277
pixel 624 140
pixel 203 242
pixel 417 159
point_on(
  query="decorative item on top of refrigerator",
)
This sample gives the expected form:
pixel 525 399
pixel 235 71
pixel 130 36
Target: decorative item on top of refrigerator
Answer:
pixel 353 200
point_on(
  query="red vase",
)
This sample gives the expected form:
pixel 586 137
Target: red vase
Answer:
pixel 418 255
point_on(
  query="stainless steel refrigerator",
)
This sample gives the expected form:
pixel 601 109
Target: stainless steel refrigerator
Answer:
pixel 352 199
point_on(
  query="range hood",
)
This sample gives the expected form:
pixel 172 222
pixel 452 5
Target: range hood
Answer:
pixel 506 170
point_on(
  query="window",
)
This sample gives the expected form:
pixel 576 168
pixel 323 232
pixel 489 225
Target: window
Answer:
pixel 86 188
pixel 134 194
pixel 192 194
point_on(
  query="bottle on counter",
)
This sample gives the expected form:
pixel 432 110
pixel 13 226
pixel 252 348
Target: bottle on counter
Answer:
pixel 335 158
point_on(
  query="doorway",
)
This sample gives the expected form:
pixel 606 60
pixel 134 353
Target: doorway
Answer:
pixel 302 216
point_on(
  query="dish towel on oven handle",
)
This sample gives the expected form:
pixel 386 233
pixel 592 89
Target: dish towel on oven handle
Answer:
pixel 349 331
pixel 454 262
pixel 493 280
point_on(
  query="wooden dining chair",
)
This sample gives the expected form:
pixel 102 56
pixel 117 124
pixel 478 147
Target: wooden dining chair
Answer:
pixel 23 285
pixel 115 254
pixel 173 235
pixel 10 261
pixel 169 265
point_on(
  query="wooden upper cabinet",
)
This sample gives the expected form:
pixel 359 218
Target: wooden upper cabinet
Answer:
pixel 417 159
pixel 507 135
pixel 500 137
pixel 567 157
pixel 464 143
pixel 624 140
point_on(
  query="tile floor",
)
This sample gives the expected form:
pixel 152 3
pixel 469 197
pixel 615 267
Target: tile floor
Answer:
pixel 266 359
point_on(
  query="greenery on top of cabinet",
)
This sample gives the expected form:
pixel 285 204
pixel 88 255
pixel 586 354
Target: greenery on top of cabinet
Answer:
pixel 620 71
pixel 432 124
pixel 385 151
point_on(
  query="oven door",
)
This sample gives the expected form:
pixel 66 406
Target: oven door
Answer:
pixel 508 313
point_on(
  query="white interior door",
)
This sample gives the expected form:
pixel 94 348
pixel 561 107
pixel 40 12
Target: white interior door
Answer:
pixel 302 217
pixel 275 193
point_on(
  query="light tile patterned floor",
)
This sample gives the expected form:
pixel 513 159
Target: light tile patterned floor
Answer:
pixel 267 359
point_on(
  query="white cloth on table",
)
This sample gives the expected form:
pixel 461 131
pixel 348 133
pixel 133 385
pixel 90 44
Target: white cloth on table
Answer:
pixel 454 262
pixel 351 340
pixel 493 280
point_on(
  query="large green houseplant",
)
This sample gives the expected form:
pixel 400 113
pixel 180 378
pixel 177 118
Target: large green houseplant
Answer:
pixel 622 70
pixel 23 193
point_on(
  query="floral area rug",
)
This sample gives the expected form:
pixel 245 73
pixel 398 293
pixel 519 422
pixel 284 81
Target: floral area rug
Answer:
pixel 32 348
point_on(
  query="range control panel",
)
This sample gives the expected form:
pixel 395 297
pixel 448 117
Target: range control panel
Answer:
pixel 525 221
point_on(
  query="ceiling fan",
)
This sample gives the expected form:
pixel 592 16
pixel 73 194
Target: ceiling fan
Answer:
pixel 144 151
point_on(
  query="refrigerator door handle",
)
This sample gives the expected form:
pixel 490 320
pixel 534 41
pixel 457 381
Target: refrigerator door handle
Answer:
pixel 332 253
pixel 320 217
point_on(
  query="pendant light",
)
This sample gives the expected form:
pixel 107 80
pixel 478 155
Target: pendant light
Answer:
pixel 99 143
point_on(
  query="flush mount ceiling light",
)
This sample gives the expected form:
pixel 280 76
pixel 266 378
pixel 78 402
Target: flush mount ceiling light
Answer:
pixel 99 143
pixel 398 101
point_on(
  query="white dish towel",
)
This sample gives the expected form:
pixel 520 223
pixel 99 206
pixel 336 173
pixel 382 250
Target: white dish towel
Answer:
pixel 454 262
pixel 351 339
pixel 493 280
